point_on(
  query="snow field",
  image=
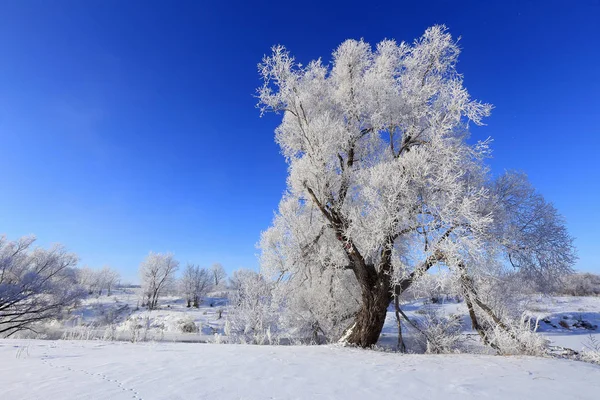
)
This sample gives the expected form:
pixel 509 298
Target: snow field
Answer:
pixel 120 370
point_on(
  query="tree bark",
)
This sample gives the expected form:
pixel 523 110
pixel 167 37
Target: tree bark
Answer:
pixel 371 315
pixel 377 294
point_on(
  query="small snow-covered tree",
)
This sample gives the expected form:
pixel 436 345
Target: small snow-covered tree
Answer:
pixel 195 283
pixel 35 284
pixel 186 284
pixel 157 273
pixel 218 274
pixel 383 182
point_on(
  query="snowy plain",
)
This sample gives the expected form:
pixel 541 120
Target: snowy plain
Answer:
pixel 158 370
pixel 160 366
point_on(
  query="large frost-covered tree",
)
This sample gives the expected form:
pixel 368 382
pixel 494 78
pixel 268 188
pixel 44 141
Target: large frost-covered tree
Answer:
pixel 383 183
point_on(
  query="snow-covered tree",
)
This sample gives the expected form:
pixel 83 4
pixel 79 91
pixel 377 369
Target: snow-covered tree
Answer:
pixel 195 283
pixel 35 284
pixel 383 182
pixel 581 284
pixel 157 273
pixel 252 318
pixel 108 278
pixel 238 276
pixel 88 279
pixel 218 274
pixel 96 281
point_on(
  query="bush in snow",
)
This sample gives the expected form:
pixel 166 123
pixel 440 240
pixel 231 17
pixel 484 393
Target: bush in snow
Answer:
pixel 318 308
pixel 189 326
pixel 253 317
pixel 440 333
pixel 591 352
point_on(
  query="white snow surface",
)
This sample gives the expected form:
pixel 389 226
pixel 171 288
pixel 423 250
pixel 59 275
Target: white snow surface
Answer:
pixel 569 310
pixel 44 369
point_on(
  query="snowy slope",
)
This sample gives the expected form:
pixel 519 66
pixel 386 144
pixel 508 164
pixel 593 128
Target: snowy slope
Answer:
pixel 117 370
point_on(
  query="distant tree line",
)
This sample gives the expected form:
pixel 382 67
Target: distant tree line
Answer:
pixel 98 281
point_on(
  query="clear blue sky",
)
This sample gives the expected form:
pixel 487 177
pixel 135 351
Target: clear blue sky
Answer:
pixel 129 126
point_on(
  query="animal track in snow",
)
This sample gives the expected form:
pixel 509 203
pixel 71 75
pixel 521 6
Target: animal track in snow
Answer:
pixel 46 360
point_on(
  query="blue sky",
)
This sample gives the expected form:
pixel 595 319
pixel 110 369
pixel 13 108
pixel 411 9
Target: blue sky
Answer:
pixel 130 126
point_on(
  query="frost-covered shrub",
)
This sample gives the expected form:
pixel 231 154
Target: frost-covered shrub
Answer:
pixel 111 333
pixel 440 333
pixel 591 351
pixel 253 317
pixel 82 332
pixel 189 326
pixel 518 339
pixel 317 310
pixel 590 356
pixel 136 327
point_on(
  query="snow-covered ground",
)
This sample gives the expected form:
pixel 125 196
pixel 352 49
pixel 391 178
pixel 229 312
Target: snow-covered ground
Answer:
pixel 567 321
pixel 571 322
pixel 37 369
pixel 160 369
pixel 120 317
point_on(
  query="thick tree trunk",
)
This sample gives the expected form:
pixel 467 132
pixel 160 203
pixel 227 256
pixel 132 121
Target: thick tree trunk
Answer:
pixel 371 316
pixel 377 294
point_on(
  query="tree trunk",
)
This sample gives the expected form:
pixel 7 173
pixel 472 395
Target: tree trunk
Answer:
pixel 371 315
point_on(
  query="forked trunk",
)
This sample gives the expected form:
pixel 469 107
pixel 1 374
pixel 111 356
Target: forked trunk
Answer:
pixel 371 315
